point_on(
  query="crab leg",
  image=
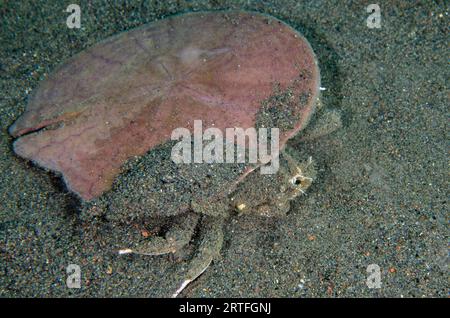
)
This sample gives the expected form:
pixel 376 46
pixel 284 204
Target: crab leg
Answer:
pixel 327 122
pixel 211 243
pixel 178 236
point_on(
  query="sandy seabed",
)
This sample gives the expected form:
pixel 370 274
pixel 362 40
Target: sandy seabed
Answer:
pixel 381 193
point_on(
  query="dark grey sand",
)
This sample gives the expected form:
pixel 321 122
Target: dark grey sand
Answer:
pixel 382 187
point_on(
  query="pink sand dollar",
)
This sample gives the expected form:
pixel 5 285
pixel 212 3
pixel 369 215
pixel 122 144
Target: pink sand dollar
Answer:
pixel 125 95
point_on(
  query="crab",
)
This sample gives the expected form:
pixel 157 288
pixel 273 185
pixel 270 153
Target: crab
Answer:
pixel 104 119
pixel 266 196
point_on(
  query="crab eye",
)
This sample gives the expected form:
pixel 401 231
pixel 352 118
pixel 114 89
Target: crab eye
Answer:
pixel 296 181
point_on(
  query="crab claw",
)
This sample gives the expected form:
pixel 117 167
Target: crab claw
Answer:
pixel 186 282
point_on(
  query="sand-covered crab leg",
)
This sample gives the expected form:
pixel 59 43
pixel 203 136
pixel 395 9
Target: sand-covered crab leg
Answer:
pixel 176 238
pixel 327 122
pixel 209 249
